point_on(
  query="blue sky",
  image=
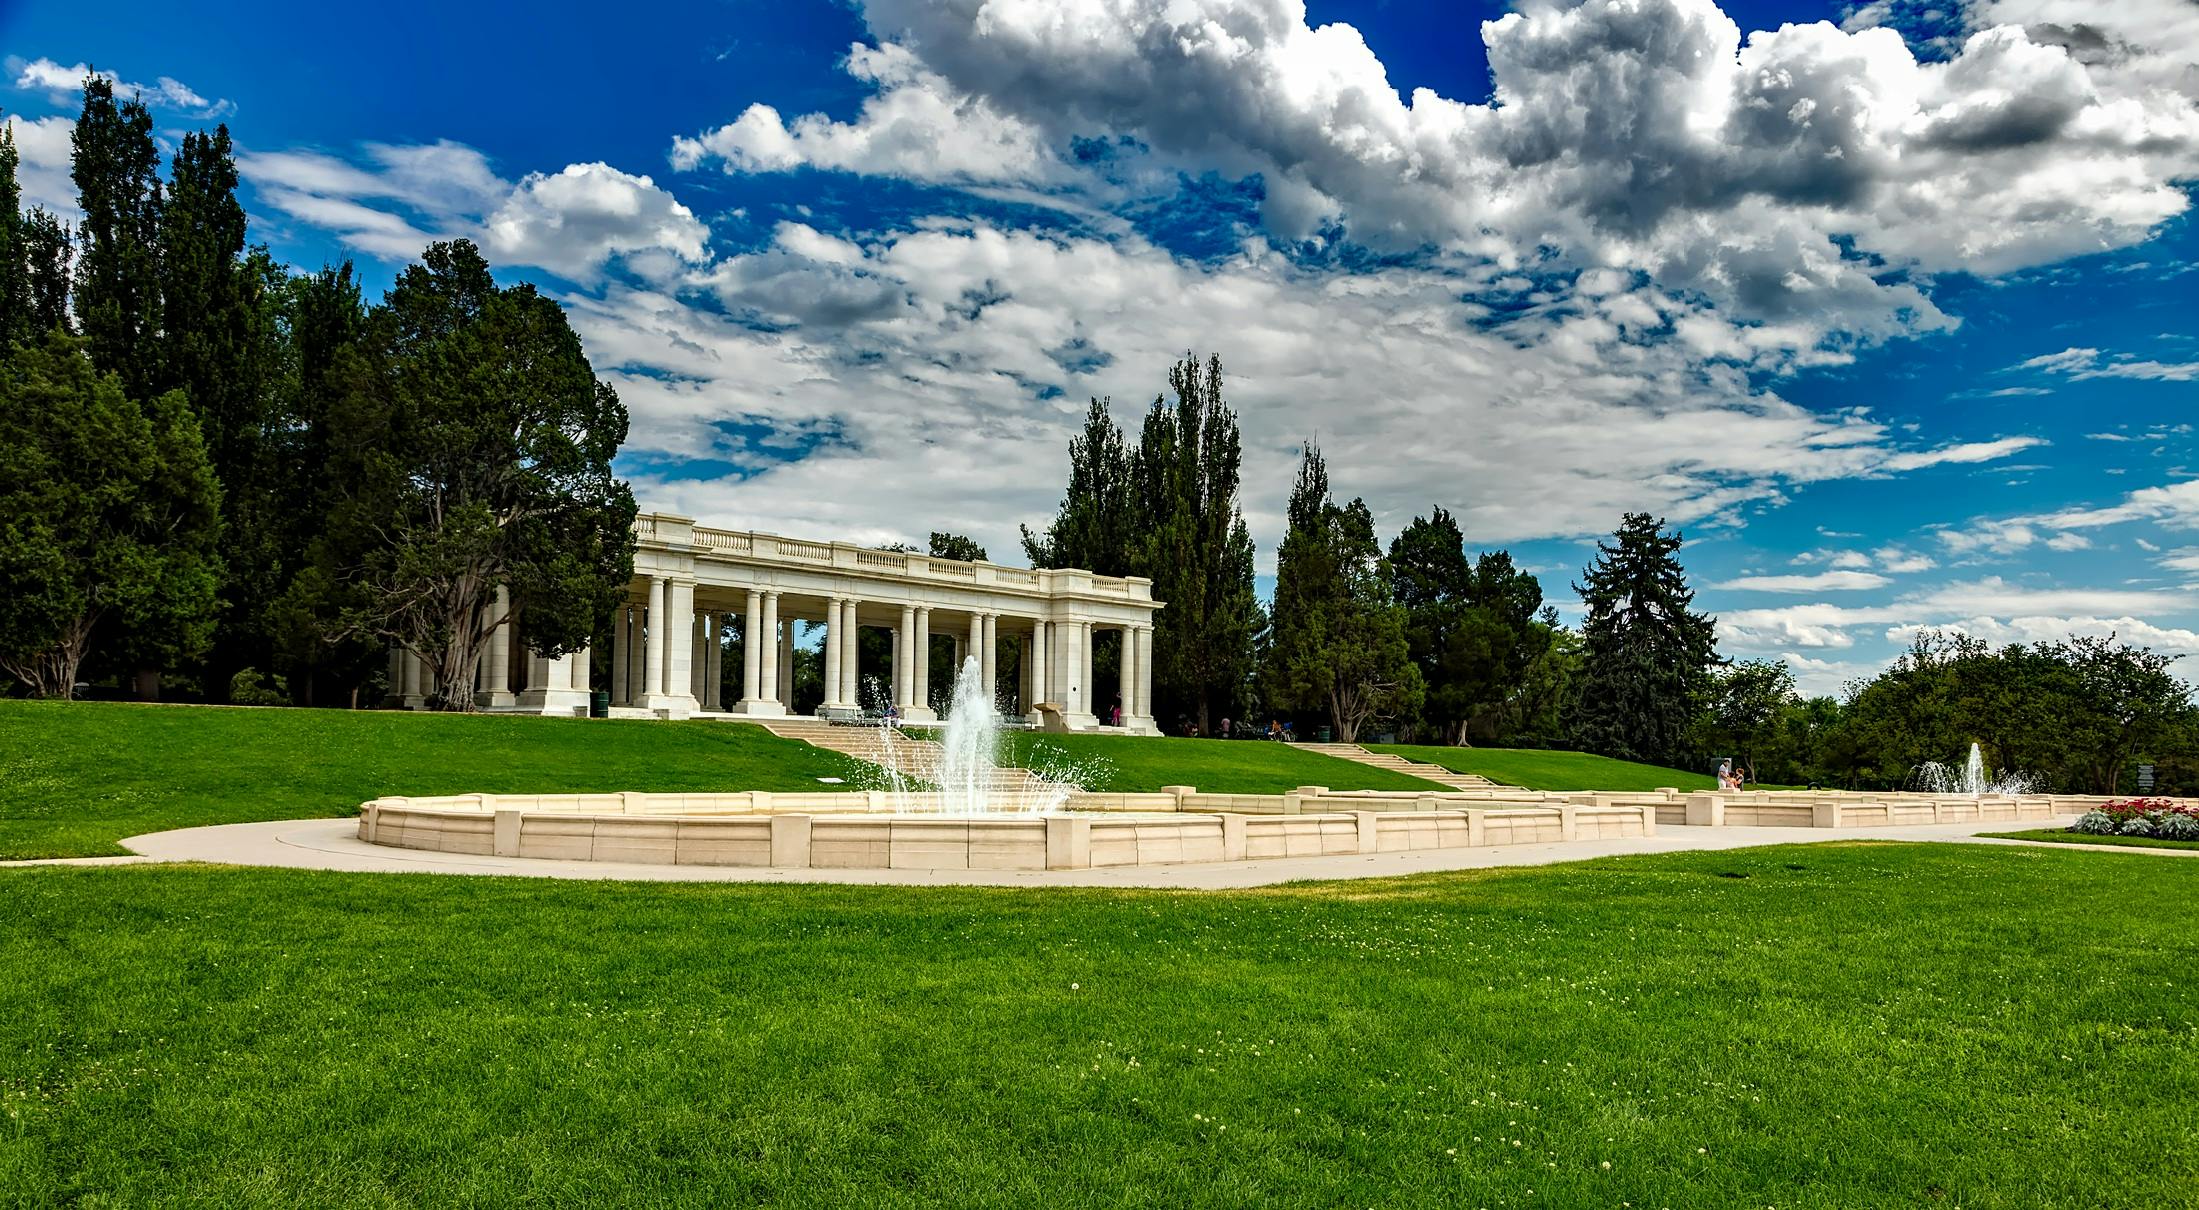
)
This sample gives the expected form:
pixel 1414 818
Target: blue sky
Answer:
pixel 1889 307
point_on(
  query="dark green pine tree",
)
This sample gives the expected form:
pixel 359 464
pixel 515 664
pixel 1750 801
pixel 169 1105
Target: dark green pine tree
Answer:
pixel 46 254
pixel 15 279
pixel 476 446
pixel 1431 580
pixel 117 172
pixel 1093 528
pixel 1191 541
pixel 219 344
pixel 1295 673
pixel 1648 653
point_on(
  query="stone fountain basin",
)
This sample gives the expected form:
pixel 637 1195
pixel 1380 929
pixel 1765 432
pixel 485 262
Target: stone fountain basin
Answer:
pixel 738 830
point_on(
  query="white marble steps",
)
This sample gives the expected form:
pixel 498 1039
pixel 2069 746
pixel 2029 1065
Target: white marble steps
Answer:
pixel 911 757
pixel 1412 768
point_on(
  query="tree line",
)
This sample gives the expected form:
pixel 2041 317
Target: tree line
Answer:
pixel 249 483
pixel 1423 642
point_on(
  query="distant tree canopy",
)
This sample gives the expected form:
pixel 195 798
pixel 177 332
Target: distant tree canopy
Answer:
pixel 478 443
pixel 1338 640
pixel 1169 511
pixel 956 547
pixel 1647 654
pixel 109 519
pixel 364 471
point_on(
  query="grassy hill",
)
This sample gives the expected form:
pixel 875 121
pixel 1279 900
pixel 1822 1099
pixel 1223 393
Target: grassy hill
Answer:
pixel 1124 764
pixel 1539 769
pixel 75 777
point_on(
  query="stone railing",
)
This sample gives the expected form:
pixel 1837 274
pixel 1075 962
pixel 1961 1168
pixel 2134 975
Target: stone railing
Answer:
pixel 768 549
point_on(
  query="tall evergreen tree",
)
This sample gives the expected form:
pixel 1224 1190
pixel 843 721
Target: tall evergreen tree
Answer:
pixel 1193 544
pixel 483 445
pixel 1338 642
pixel 1093 528
pixel 112 515
pixel 46 255
pixel 1648 653
pixel 219 343
pixel 1431 580
pixel 116 167
pixel 15 281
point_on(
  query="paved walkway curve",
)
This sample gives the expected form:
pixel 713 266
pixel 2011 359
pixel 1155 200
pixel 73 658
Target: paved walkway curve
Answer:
pixel 333 844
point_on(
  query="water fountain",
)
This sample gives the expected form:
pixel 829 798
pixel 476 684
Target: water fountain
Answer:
pixel 962 768
pixel 1935 778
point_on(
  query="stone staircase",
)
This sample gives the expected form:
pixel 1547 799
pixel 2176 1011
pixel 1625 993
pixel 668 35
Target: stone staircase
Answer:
pixel 1412 768
pixel 909 756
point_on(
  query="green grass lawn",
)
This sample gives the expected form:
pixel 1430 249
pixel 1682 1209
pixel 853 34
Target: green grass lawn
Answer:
pixel 77 776
pixel 1120 763
pixel 1837 1025
pixel 2065 836
pixel 1540 769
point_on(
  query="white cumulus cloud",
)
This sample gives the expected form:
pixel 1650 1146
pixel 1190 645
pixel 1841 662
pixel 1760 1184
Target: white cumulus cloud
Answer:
pixel 62 83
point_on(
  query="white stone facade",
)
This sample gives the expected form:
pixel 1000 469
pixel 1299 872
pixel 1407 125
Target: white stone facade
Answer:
pixel 707 584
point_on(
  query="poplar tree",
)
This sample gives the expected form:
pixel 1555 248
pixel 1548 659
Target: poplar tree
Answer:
pixel 1338 640
pixel 15 283
pixel 116 168
pixel 1192 543
pixel 1092 529
pixel 218 343
pixel 47 260
pixel 1648 654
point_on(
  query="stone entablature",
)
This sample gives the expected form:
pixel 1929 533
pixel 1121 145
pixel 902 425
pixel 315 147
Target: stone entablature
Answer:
pixel 708 584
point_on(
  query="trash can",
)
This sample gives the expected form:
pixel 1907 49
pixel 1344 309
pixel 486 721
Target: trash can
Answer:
pixel 1324 734
pixel 599 704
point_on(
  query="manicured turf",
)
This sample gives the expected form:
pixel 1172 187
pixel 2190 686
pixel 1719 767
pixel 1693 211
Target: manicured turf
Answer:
pixel 2065 836
pixel 1540 769
pixel 1811 1026
pixel 1124 763
pixel 77 776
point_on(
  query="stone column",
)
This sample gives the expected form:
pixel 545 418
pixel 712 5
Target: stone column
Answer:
pixel 1024 696
pixel 753 645
pixel 496 687
pixel 770 668
pixel 904 659
pixel 706 664
pixel 851 676
pixel 618 655
pixel 1145 672
pixel 922 654
pixel 988 656
pixel 1126 675
pixel 834 623
pixel 717 664
pixel 1040 682
pixel 412 696
pixel 1087 702
pixel 637 658
pixel 584 662
pixel 679 651
pixel 652 643
pixel 698 660
pixel 782 682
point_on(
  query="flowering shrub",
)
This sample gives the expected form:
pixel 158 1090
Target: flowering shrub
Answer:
pixel 2156 817
pixel 2177 825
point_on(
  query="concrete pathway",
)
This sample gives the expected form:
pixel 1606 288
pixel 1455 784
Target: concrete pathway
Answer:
pixel 333 844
